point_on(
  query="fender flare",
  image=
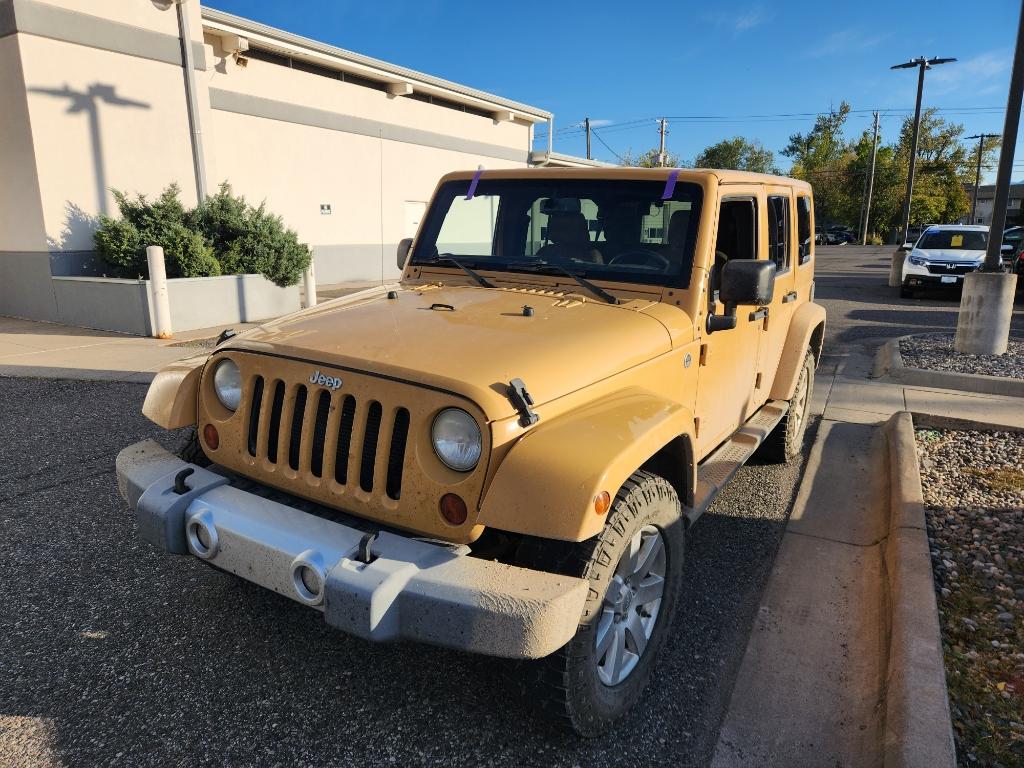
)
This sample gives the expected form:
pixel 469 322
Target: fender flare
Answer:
pixel 547 483
pixel 806 329
pixel 173 397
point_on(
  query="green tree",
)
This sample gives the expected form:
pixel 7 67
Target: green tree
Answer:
pixel 649 159
pixel 738 154
pixel 823 157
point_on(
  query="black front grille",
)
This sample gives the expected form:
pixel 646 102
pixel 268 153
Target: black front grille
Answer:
pixel 291 411
pixel 952 268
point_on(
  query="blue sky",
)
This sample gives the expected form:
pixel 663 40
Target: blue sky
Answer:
pixel 624 65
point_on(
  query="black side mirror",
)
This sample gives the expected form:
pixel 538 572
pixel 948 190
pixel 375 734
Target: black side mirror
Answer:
pixel 747 281
pixel 403 251
pixel 744 281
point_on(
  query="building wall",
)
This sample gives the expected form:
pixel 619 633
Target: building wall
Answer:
pixel 94 99
pixel 364 153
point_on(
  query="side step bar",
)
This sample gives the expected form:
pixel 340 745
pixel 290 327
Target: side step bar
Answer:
pixel 719 468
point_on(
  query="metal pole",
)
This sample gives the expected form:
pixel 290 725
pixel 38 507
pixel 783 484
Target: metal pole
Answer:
pixel 661 144
pixel 871 185
pixel 586 125
pixel 187 62
pixel 993 260
pixel 977 182
pixel 922 66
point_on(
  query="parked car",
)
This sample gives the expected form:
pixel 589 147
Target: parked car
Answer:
pixel 942 256
pixel 1014 254
pixel 503 454
pixel 841 235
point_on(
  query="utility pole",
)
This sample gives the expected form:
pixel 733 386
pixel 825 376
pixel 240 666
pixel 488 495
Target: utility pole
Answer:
pixel 977 176
pixel 586 127
pixel 986 304
pixel 662 130
pixel 870 181
pixel 922 64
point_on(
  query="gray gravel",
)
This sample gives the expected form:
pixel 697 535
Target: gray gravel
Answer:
pixel 934 352
pixel 973 486
pixel 112 653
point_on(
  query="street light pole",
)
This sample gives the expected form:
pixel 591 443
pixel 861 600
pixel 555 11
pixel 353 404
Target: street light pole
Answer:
pixel 922 64
pixel 986 304
pixel 871 185
pixel 977 175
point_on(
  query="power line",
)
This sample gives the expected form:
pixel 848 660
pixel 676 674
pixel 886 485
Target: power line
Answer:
pixel 598 137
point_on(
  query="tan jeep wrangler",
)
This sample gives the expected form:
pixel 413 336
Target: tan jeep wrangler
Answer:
pixel 502 453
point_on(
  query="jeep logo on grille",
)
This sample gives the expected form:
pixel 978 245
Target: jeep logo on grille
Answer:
pixel 331 382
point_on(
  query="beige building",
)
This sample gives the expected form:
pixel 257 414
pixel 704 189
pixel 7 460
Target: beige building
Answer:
pixel 95 95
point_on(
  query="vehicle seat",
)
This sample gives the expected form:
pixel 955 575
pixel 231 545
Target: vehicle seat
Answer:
pixel 569 238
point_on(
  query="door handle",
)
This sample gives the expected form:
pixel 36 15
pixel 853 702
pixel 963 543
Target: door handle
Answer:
pixel 758 314
pixel 791 296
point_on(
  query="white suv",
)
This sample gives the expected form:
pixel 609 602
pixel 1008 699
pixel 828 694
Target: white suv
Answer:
pixel 942 256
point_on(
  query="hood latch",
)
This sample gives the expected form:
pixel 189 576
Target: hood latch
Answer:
pixel 521 401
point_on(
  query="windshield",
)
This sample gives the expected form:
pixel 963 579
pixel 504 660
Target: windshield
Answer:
pixel 598 229
pixel 954 239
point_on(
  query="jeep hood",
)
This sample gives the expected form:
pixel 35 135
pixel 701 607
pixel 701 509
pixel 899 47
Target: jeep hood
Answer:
pixel 469 340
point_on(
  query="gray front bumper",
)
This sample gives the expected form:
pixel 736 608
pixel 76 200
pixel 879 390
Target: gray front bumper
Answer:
pixel 412 589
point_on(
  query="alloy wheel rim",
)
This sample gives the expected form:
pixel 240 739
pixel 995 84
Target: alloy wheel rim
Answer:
pixel 631 606
pixel 800 401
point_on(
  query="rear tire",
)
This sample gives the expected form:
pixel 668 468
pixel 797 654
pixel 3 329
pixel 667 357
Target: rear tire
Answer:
pixel 787 439
pixel 635 568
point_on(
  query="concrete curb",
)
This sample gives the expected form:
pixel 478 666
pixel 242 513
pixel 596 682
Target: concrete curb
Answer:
pixel 918 727
pixel 889 364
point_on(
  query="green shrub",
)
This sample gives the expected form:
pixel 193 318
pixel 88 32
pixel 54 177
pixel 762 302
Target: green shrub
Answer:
pixel 222 235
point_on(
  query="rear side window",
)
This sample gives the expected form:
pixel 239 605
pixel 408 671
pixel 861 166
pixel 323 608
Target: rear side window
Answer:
pixel 805 234
pixel 778 231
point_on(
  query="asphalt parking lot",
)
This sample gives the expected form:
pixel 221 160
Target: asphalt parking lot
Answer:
pixel 112 653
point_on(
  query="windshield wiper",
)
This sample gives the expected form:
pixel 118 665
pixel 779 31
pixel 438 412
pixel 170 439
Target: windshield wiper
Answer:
pixel 545 266
pixel 444 257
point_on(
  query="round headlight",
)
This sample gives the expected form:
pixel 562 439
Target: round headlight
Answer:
pixel 456 439
pixel 227 383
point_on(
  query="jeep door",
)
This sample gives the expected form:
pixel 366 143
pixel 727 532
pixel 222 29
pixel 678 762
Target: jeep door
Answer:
pixel 729 359
pixel 780 221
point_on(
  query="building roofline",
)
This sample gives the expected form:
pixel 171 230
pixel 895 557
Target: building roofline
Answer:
pixel 557 159
pixel 221 21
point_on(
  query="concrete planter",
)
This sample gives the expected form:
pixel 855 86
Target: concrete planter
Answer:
pixel 126 306
pixel 889 364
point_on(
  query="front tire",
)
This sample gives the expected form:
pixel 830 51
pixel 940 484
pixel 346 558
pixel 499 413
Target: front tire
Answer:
pixel 635 569
pixel 787 439
pixel 906 293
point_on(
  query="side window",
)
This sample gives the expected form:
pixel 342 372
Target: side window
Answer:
pixel 805 234
pixel 737 234
pixel 778 231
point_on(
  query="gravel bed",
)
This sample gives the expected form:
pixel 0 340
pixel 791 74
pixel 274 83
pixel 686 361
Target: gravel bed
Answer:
pixel 974 502
pixel 934 352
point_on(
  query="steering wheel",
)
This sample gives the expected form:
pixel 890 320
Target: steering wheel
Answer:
pixel 641 257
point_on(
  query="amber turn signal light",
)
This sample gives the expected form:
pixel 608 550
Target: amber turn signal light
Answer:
pixel 453 509
pixel 602 502
pixel 210 437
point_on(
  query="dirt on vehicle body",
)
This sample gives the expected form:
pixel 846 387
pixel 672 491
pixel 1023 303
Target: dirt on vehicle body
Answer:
pixel 502 454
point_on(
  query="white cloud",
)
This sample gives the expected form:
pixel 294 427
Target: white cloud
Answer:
pixel 740 21
pixel 846 41
pixel 976 73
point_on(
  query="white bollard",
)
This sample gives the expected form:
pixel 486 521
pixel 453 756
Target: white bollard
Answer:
pixel 158 292
pixel 309 285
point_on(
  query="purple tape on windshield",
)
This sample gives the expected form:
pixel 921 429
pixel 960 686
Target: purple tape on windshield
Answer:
pixel 473 183
pixel 670 185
